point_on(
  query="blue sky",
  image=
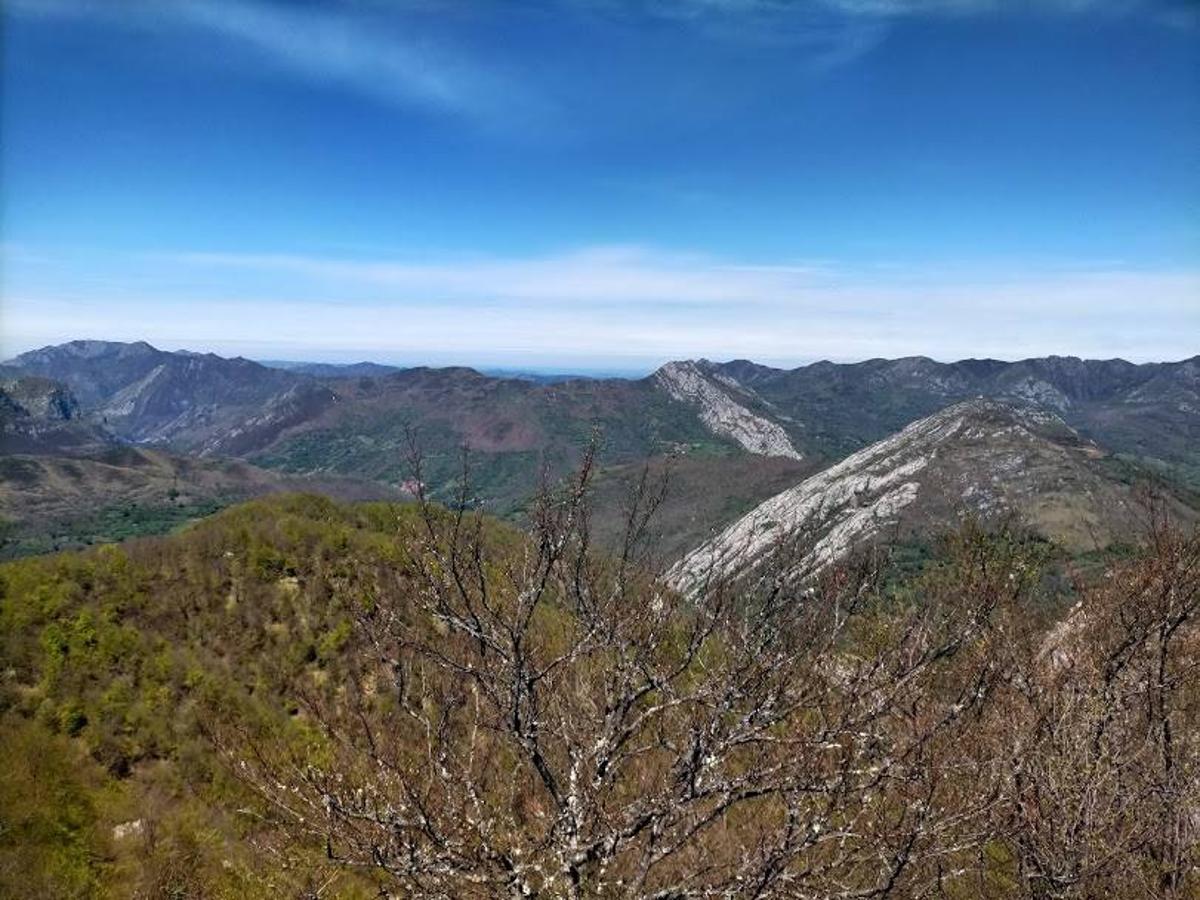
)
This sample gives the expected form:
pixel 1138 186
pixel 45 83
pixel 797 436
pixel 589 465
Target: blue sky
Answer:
pixel 603 184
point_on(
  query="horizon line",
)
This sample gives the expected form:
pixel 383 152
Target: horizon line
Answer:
pixel 596 369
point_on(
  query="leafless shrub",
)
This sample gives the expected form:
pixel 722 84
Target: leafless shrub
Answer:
pixel 527 717
pixel 1104 744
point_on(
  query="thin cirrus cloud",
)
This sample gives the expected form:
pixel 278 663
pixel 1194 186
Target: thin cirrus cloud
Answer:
pixel 598 275
pixel 902 8
pixel 794 16
pixel 330 45
pixel 387 58
pixel 631 274
pixel 623 307
pixel 408 55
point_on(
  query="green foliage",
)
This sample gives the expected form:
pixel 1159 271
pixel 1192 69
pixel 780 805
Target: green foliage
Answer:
pixel 513 437
pixel 120 660
pixel 50 845
pixel 109 524
pixel 1132 468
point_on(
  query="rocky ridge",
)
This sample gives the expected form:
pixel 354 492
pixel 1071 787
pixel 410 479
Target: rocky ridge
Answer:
pixel 981 457
pixel 721 413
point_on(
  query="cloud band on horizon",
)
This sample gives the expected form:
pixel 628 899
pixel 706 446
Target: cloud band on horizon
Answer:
pixel 602 305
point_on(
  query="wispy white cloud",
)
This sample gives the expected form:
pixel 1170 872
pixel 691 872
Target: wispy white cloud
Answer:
pixel 898 8
pixel 603 275
pixel 637 274
pixel 829 34
pixel 609 306
pixel 374 57
pixel 379 52
pixel 389 51
pixel 414 54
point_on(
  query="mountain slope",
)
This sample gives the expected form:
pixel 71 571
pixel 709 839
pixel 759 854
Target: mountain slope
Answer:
pixel 54 502
pixel 717 399
pixel 1149 411
pixel 331 370
pixel 515 430
pixel 518 430
pixel 201 403
pixel 983 457
pixel 38 415
pixel 193 402
pixel 183 400
pixel 93 370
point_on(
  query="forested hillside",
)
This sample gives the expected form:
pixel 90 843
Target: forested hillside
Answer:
pixel 299 698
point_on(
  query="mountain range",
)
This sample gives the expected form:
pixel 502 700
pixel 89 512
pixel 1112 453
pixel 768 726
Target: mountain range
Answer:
pixel 732 435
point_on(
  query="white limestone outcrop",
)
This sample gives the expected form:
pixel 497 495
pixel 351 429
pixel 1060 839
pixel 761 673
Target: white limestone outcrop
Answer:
pixel 837 508
pixel 721 413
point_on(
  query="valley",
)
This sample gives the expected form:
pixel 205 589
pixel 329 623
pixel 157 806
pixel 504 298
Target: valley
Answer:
pixel 106 429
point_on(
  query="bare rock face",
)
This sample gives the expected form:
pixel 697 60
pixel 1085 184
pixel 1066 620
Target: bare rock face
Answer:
pixel 39 398
pixel 983 457
pixel 721 413
pixel 39 415
pixel 295 405
pixel 847 502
